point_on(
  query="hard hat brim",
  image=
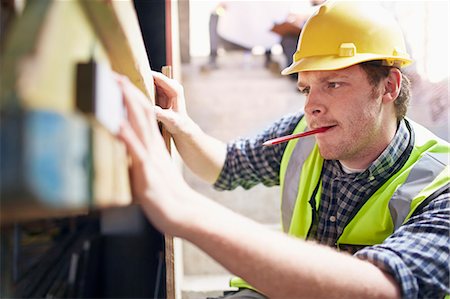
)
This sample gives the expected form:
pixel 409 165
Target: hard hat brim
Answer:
pixel 328 63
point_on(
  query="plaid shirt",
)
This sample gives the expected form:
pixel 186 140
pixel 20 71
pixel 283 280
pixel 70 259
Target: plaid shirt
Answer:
pixel 417 254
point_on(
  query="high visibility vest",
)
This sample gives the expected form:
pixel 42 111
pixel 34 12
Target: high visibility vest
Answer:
pixel 425 172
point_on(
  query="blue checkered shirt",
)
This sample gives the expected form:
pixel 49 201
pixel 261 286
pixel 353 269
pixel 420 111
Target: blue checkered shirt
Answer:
pixel 416 254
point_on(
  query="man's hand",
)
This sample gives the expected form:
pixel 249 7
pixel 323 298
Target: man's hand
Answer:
pixel 172 112
pixel 156 183
pixel 203 154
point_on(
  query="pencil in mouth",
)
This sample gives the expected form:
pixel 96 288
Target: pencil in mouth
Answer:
pixel 293 136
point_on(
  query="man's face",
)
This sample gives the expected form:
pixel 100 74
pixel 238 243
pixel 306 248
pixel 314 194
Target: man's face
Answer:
pixel 346 103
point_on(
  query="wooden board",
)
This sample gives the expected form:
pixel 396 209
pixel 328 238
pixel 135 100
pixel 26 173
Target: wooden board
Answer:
pixel 43 47
pixel 170 258
pixel 116 24
pixel 52 36
pixel 109 184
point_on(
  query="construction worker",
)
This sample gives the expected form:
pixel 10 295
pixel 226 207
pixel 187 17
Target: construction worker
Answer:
pixel 365 202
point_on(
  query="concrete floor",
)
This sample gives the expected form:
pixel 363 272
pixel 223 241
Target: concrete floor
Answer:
pixel 238 99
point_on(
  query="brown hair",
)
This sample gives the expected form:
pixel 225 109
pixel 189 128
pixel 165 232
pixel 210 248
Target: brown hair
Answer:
pixel 376 71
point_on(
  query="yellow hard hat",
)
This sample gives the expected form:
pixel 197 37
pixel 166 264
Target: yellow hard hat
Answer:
pixel 344 33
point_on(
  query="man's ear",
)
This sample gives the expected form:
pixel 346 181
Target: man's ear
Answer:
pixel 392 85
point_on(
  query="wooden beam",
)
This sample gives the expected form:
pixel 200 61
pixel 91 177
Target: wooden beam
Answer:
pixel 52 36
pixel 168 240
pixel 43 47
pixel 118 28
pixel 20 42
pixel 110 182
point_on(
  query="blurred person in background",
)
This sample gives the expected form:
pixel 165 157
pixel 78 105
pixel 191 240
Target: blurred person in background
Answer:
pixel 244 26
pixel 290 30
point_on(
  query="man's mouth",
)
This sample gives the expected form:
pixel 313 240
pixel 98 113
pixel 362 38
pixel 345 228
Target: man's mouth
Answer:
pixel 323 129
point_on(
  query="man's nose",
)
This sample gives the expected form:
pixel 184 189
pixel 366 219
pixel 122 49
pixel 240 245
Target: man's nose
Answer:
pixel 314 105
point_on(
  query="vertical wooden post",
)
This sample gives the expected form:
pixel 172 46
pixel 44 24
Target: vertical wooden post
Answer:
pixel 170 262
pixel 167 71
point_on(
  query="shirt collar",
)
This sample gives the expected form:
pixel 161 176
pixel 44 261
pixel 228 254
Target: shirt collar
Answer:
pixel 393 152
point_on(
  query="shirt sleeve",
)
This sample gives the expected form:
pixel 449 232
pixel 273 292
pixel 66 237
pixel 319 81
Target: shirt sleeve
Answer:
pixel 417 254
pixel 249 163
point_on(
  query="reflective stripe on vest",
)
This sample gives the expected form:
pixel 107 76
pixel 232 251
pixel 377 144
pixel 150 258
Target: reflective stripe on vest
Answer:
pixel 290 181
pixel 421 175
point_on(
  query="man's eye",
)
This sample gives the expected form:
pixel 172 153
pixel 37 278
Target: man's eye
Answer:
pixel 334 85
pixel 304 90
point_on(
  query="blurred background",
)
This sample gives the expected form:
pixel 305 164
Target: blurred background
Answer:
pixel 228 56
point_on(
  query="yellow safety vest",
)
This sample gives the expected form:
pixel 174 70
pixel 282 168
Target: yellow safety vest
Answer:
pixel 425 172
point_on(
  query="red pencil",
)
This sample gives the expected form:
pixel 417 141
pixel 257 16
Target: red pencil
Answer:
pixel 293 136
